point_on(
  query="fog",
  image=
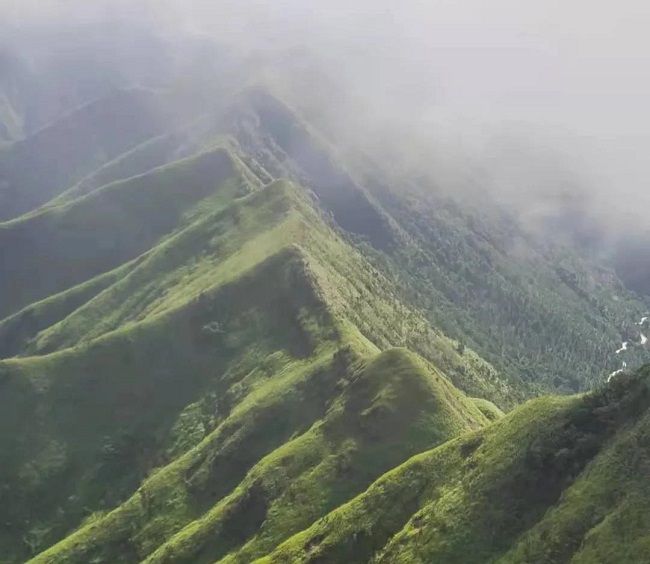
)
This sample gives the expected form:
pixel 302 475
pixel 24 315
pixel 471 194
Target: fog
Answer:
pixel 545 100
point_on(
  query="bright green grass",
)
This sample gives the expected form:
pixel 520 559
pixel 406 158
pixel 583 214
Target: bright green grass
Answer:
pixel 233 314
pixel 491 411
pixel 390 407
pixel 233 355
pixel 547 483
pixel 130 386
pixel 336 424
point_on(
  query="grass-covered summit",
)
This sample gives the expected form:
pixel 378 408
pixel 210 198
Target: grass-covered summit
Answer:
pixel 557 480
pixel 544 315
pixel 220 369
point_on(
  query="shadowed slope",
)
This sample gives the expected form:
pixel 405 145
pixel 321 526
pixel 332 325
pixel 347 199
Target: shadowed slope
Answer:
pixel 56 248
pixel 17 330
pixel 37 168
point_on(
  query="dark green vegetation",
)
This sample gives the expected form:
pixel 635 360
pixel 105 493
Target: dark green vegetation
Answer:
pixel 541 314
pixel 222 341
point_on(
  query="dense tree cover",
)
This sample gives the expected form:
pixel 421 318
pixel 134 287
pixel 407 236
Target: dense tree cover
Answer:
pixel 548 318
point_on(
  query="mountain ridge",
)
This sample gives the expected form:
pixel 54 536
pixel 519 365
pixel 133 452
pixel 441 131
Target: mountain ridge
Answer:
pixel 225 342
pixel 294 235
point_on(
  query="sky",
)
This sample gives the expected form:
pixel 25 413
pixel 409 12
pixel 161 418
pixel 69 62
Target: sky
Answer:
pixel 507 83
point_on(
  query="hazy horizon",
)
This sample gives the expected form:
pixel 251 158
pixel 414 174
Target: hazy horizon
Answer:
pixel 548 99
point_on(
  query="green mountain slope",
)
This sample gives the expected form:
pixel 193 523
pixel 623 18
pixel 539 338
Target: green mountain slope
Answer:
pixel 331 452
pixel 127 400
pixel 35 169
pixel 215 241
pixel 251 301
pixel 558 480
pixel 539 313
pixel 545 316
pixel 65 245
pixel 221 339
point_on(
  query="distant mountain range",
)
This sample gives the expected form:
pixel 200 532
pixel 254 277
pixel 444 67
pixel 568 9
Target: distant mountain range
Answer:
pixel 225 339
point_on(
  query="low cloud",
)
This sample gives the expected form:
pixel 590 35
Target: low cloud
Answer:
pixel 547 99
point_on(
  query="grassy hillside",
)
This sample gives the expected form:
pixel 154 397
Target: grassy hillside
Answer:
pixel 221 237
pixel 130 387
pixel 542 315
pixel 224 341
pixel 557 480
pixel 286 146
pixel 65 245
pixel 37 168
pixel 358 427
pixel 249 302
pixel 17 330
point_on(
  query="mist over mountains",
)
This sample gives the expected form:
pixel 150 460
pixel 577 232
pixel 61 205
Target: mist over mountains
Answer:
pixel 538 109
pixel 323 283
